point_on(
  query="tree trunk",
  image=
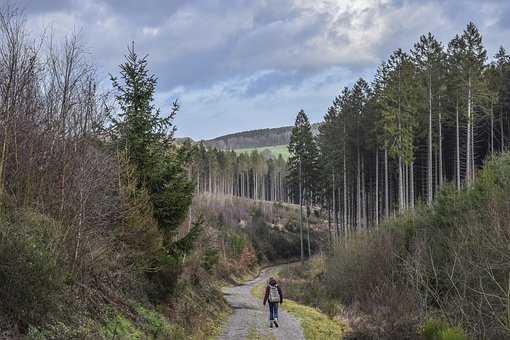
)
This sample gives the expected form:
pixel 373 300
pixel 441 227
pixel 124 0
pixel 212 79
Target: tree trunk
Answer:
pixel 386 185
pixel 358 190
pixel 376 186
pixel 492 127
pixel 345 189
pixel 329 228
pixel 429 160
pixel 457 145
pixel 301 214
pixel 502 133
pixel 400 185
pixel 335 210
pixel 468 136
pixel 440 165
pixel 308 230
pixel 411 185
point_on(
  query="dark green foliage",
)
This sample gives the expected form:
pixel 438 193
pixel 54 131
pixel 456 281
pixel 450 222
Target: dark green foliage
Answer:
pixel 146 139
pixel 185 245
pixel 303 159
pixel 211 258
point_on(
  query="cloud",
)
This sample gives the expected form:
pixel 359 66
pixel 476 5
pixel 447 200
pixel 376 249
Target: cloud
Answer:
pixel 245 61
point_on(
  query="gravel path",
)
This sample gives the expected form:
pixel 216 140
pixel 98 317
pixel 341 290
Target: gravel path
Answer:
pixel 251 318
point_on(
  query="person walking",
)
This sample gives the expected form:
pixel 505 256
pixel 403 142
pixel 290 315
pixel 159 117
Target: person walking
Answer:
pixel 274 296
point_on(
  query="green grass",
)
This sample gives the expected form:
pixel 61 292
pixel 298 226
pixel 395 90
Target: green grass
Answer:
pixel 275 150
pixel 316 325
pixel 440 330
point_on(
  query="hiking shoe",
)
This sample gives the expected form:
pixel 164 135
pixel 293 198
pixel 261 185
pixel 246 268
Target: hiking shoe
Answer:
pixel 271 324
pixel 276 323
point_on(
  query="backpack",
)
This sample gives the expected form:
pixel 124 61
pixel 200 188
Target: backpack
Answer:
pixel 274 294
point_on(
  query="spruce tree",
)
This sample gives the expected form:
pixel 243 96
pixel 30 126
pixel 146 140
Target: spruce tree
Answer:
pixel 429 58
pixel 146 138
pixel 302 165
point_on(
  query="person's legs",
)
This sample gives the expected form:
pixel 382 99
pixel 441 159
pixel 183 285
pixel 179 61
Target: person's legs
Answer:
pixel 275 314
pixel 271 314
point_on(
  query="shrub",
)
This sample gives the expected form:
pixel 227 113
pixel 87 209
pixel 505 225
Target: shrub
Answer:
pixel 435 329
pixel 30 272
pixel 367 274
pixel 459 260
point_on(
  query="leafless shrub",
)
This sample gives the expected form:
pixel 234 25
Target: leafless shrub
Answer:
pixel 367 275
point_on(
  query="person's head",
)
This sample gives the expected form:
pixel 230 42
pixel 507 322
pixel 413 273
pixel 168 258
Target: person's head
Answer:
pixel 272 281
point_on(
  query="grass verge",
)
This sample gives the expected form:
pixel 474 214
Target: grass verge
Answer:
pixel 316 325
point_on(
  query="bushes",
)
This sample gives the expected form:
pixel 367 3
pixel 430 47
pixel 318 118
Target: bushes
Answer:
pixel 462 261
pixel 366 273
pixel 272 244
pixel 30 271
pixel 451 260
pixel 439 330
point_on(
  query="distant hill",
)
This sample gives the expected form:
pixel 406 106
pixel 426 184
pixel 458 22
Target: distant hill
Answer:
pixel 254 138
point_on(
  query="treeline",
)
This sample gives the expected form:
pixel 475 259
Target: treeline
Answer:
pixel 421 231
pixel 257 175
pixel 431 115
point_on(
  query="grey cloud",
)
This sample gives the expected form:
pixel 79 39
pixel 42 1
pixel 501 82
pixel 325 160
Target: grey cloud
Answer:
pixel 257 48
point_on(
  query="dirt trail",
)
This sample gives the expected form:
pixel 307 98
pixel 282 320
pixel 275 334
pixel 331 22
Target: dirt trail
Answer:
pixel 250 318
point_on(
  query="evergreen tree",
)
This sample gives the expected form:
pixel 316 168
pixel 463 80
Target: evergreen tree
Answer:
pixel 146 138
pixel 468 57
pixel 302 165
pixel 429 57
pixel 399 106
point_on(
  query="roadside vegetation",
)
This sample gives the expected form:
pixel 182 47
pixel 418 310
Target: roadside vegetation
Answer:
pixel 316 325
pixel 95 236
pixel 438 272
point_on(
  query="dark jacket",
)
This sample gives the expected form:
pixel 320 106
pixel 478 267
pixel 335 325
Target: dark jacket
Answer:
pixel 266 296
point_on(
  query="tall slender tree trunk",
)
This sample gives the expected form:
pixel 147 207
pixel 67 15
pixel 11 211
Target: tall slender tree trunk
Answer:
pixel 329 228
pixel 468 136
pixel 358 190
pixel 345 186
pixel 386 185
pixel 363 196
pixel 401 200
pixel 492 127
pixel 411 185
pixel 472 148
pixel 429 160
pixel 502 133
pixel 440 165
pixel 301 213
pixel 457 143
pixel 335 211
pixel 308 230
pixel 376 186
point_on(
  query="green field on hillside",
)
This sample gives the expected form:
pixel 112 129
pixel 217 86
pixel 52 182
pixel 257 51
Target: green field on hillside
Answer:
pixel 275 150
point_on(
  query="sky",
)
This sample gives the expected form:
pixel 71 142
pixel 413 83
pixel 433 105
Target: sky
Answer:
pixel 238 65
